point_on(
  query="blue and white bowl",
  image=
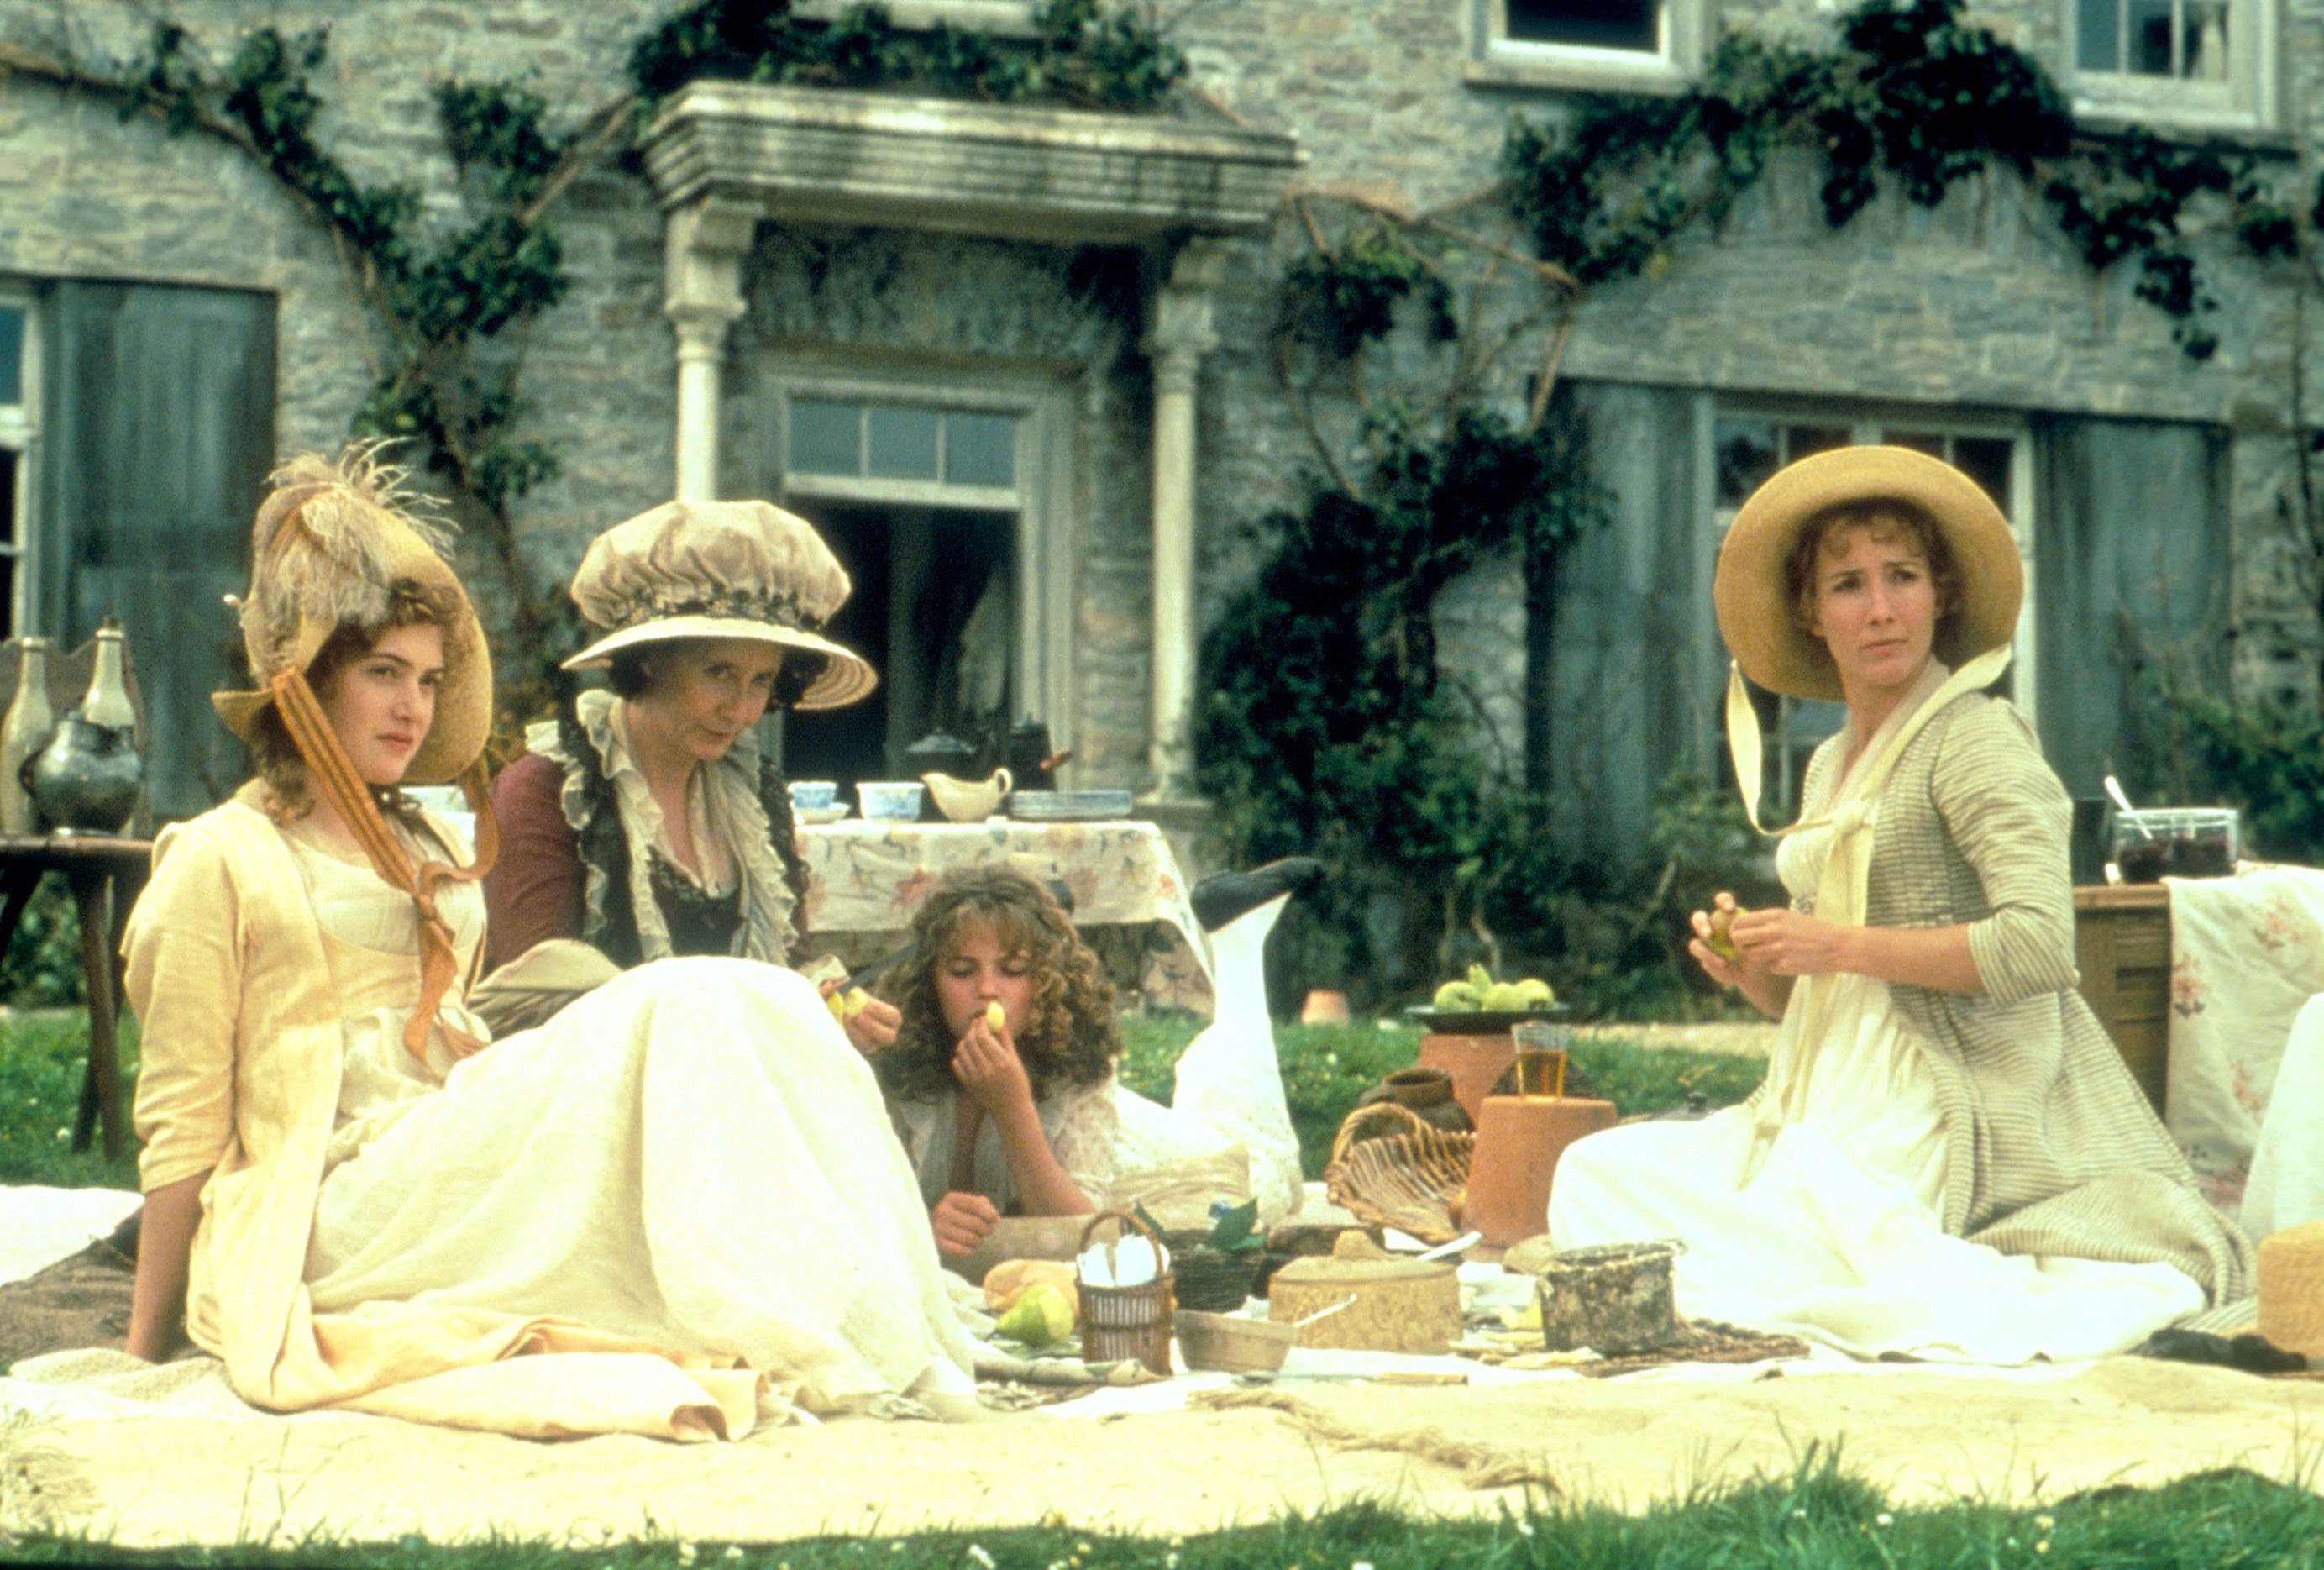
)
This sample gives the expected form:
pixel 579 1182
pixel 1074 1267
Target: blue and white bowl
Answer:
pixel 890 800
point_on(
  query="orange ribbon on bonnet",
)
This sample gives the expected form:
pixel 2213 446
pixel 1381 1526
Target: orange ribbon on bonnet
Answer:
pixel 334 775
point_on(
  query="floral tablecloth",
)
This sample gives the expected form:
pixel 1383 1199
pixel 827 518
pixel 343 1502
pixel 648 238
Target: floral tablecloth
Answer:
pixel 2246 954
pixel 1129 900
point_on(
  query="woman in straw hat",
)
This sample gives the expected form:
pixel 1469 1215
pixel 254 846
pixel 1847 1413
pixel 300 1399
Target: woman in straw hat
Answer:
pixel 647 823
pixel 683 1184
pixel 1948 1158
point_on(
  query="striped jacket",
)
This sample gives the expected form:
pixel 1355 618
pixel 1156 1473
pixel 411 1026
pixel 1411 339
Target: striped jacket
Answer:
pixel 2052 1147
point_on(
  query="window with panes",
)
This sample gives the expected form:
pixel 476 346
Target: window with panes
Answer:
pixel 17 427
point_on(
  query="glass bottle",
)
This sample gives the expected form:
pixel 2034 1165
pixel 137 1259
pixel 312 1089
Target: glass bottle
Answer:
pixel 26 730
pixel 107 701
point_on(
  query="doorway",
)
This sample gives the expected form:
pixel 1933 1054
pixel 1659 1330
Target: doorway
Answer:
pixel 935 607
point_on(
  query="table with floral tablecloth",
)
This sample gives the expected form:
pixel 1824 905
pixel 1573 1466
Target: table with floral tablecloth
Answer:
pixel 2246 954
pixel 865 878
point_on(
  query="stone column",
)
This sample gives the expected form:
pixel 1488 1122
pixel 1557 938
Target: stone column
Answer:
pixel 703 296
pixel 1179 333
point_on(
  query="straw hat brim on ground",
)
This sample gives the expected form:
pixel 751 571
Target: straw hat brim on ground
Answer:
pixel 327 544
pixel 846 677
pixel 1755 613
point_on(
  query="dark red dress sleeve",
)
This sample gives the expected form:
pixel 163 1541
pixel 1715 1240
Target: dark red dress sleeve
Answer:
pixel 535 889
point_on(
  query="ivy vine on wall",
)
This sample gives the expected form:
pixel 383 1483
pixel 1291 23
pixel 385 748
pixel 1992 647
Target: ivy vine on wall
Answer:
pixel 1328 725
pixel 1912 92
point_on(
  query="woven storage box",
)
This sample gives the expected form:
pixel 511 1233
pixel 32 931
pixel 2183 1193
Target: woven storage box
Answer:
pixel 1126 1322
pixel 2290 1274
pixel 1400 1305
pixel 1615 1299
pixel 1415 1178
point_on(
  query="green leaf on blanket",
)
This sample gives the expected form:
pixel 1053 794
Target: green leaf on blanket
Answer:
pixel 1236 1229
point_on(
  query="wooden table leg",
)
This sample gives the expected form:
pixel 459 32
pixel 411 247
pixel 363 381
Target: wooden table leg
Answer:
pixel 100 1089
pixel 20 886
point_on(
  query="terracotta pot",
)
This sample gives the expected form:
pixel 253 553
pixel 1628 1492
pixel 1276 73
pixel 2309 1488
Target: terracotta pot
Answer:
pixel 1474 1062
pixel 1519 1140
pixel 1325 1007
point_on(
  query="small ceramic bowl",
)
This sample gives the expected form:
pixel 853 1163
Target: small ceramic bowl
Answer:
pixel 890 800
pixel 1234 1345
pixel 813 794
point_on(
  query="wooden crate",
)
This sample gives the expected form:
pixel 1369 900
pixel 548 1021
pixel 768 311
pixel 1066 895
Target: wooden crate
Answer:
pixel 2122 945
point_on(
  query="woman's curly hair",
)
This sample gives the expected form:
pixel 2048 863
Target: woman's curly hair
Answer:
pixel 1070 1036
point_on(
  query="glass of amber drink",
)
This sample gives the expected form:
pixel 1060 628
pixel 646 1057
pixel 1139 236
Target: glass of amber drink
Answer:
pixel 1541 1058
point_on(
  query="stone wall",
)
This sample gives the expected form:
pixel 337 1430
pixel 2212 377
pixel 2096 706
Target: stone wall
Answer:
pixel 1977 304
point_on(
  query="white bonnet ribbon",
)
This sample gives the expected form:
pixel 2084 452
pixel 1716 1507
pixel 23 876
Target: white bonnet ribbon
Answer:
pixel 1841 889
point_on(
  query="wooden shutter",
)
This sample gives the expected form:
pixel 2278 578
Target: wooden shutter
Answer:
pixel 1634 669
pixel 158 433
pixel 2131 564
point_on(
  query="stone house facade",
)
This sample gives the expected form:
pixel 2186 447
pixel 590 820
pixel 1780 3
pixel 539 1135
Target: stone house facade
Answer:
pixel 1017 362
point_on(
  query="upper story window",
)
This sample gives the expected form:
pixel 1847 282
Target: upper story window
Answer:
pixel 1749 444
pixel 1005 17
pixel 1634 45
pixel 2196 62
pixel 17 427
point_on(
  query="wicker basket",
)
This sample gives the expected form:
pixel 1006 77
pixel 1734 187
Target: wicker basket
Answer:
pixel 1415 1178
pixel 1124 1322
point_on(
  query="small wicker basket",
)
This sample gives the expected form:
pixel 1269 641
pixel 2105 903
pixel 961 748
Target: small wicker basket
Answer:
pixel 1125 1322
pixel 1415 1178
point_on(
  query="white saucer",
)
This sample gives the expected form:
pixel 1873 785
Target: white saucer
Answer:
pixel 831 814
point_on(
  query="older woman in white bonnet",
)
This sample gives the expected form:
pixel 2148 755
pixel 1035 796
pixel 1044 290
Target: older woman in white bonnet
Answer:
pixel 1948 1159
pixel 647 823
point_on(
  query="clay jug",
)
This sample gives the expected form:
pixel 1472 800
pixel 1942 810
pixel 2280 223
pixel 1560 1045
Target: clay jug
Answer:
pixel 1425 1092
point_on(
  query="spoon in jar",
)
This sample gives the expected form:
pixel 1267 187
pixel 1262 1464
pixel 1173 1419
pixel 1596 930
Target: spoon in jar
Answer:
pixel 2122 803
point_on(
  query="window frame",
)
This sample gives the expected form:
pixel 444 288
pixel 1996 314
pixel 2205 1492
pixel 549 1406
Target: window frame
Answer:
pixel 1043 502
pixel 1869 424
pixel 1004 18
pixel 1496 59
pixel 20 430
pixel 2251 98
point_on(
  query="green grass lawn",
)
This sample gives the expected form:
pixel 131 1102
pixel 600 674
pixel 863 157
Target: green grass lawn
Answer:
pixel 1324 1068
pixel 1819 1519
pixel 41 1055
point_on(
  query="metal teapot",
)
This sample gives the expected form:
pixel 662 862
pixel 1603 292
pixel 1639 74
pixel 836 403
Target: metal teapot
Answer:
pixel 88 777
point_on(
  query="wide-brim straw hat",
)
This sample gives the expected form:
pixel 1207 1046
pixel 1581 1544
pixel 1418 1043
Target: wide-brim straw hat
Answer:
pixel 329 543
pixel 720 570
pixel 1754 609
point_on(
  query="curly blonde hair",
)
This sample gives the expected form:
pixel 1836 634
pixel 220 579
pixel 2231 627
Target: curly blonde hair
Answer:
pixel 1070 1035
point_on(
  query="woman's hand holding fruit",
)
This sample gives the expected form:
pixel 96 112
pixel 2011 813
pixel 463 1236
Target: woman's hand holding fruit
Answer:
pixel 987 1066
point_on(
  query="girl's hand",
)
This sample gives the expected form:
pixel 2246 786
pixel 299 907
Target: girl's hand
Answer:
pixel 961 1223
pixel 1781 942
pixel 987 1066
pixel 872 1028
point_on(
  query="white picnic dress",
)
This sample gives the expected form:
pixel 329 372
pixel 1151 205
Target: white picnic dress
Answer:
pixel 1833 1229
pixel 691 1156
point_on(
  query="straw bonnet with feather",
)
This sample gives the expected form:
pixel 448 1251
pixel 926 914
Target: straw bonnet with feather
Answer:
pixel 330 542
pixel 1752 599
pixel 720 570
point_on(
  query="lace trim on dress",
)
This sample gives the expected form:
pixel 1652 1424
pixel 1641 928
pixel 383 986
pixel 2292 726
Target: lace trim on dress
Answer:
pixel 618 828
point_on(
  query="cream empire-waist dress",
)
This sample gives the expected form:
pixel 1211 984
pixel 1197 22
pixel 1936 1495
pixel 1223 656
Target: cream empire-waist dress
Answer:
pixel 1833 1229
pixel 692 1157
